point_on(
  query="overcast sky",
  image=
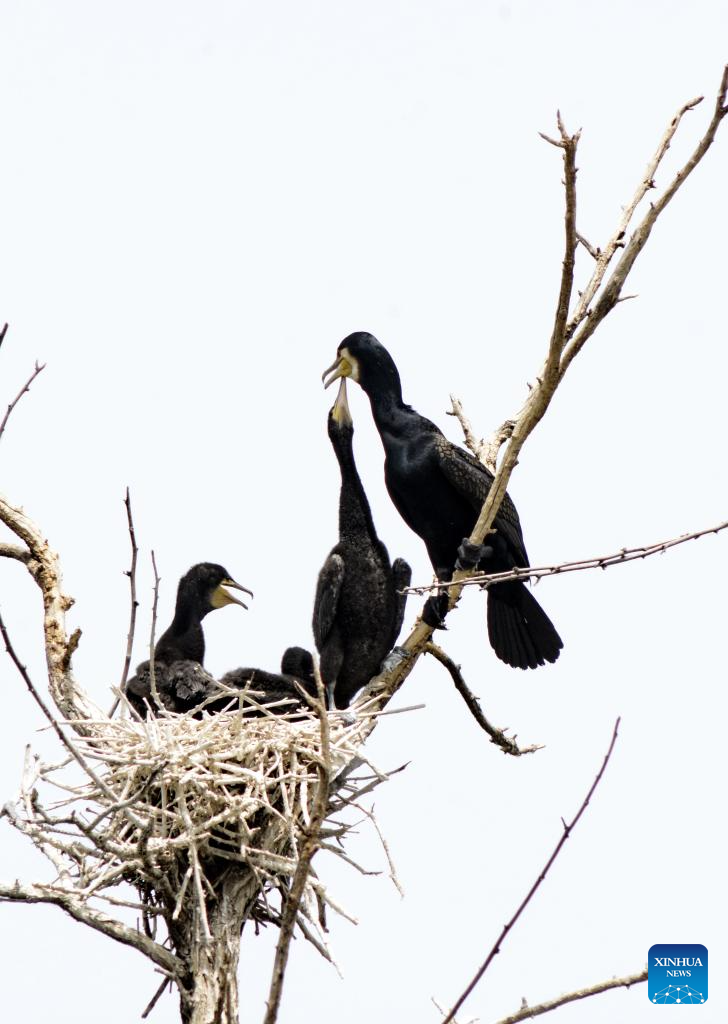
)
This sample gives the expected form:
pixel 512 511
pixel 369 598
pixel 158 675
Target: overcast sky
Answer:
pixel 199 201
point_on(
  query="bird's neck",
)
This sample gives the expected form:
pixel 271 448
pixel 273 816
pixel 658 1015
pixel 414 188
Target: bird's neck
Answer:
pixel 354 512
pixel 184 638
pixel 392 417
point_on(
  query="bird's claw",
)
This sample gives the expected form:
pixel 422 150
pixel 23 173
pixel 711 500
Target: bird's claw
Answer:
pixel 470 555
pixel 435 610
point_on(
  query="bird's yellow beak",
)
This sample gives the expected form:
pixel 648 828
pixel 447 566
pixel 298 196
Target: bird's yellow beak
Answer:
pixel 343 366
pixel 220 597
pixel 340 411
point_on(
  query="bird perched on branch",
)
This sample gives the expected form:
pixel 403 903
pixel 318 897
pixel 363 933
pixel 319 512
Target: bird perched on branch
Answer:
pixel 180 680
pixel 439 490
pixel 358 609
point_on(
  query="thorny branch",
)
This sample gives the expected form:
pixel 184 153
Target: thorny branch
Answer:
pixel 39 367
pixel 528 1012
pixel 568 829
pixel 507 744
pixel 131 573
pixel 132 587
pixel 537 572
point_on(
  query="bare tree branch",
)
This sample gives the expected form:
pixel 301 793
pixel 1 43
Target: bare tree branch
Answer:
pixel 67 743
pixel 537 572
pixel 19 554
pixel 36 893
pixel 131 573
pixel 528 1012
pixel 43 565
pixel 152 675
pixel 39 367
pixel 568 829
pixel 507 744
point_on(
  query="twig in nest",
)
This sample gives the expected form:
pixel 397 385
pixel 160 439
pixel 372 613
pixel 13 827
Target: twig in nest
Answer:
pixel 497 736
pixel 568 829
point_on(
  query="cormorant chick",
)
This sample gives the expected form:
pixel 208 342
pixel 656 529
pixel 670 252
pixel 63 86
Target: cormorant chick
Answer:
pixel 357 611
pixel 181 681
pixel 439 490
pixel 298 662
pixel 271 687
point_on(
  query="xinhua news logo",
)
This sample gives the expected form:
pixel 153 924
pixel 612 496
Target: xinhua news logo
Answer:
pixel 677 973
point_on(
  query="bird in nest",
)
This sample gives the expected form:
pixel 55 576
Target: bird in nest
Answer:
pixel 180 680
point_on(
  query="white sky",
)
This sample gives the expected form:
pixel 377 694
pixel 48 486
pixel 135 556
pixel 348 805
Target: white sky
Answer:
pixel 198 202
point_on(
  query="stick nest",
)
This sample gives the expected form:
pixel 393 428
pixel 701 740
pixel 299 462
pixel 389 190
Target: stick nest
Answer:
pixel 172 803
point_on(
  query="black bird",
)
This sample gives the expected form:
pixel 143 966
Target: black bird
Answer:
pixel 181 681
pixel 298 662
pixel 438 490
pixel 278 689
pixel 357 611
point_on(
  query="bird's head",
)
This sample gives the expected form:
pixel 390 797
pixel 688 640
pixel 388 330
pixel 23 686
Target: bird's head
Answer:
pixel 365 360
pixel 205 584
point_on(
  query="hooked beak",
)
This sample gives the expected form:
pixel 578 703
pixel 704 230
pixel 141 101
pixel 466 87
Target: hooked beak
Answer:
pixel 341 367
pixel 221 597
pixel 340 411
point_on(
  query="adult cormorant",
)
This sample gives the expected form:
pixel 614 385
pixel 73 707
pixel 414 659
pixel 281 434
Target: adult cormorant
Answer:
pixel 438 490
pixel 181 681
pixel 358 609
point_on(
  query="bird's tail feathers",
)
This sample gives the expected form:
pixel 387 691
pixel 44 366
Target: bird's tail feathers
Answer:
pixel 520 632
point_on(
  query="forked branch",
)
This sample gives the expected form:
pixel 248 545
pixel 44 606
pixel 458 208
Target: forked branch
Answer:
pixel 507 743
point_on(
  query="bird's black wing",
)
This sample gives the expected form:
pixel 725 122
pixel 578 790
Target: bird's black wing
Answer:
pixel 473 480
pixel 401 577
pixel 326 602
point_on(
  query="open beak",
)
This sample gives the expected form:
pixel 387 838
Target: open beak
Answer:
pixel 341 367
pixel 221 597
pixel 340 411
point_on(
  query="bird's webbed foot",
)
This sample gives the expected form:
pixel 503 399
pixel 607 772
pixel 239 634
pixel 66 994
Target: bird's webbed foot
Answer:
pixel 470 555
pixel 435 610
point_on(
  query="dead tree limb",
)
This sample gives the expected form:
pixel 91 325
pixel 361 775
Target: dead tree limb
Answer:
pixel 131 573
pixel 538 572
pixel 568 829
pixel 39 367
pixel 529 1012
pixel 507 743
